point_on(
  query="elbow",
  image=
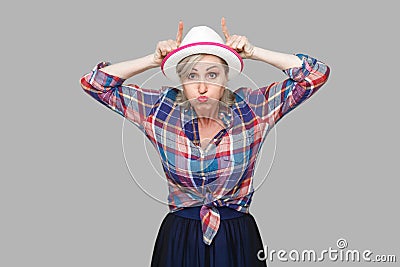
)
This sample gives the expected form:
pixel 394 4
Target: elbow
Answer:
pixel 84 84
pixel 318 77
pixel 323 75
pixel 87 86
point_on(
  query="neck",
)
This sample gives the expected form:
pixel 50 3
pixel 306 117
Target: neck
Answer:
pixel 208 118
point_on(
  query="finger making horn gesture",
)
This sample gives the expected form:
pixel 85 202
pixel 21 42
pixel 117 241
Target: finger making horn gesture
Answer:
pixel 165 47
pixel 237 42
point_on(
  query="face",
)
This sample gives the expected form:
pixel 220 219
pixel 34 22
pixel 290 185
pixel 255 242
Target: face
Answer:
pixel 205 84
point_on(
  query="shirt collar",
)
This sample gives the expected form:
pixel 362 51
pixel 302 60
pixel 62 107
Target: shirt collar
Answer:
pixel 188 114
pixel 189 119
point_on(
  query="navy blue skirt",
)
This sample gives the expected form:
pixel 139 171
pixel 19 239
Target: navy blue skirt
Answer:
pixel 179 242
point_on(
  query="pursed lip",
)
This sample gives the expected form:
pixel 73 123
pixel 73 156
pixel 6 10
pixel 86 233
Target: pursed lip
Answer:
pixel 202 98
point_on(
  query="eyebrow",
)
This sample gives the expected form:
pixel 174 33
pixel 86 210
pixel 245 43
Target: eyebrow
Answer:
pixel 206 69
pixel 211 68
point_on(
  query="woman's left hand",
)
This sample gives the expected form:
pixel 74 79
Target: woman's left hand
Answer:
pixel 237 42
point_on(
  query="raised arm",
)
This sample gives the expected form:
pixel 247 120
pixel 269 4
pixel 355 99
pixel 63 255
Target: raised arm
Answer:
pixel 246 50
pixel 105 83
pixel 127 69
pixel 305 74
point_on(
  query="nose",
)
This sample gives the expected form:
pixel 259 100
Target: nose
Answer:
pixel 202 87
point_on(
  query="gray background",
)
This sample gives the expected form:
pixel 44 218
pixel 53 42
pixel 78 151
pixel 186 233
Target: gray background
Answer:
pixel 67 197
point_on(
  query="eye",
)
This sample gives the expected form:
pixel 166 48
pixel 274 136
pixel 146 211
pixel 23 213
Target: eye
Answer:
pixel 192 76
pixel 212 75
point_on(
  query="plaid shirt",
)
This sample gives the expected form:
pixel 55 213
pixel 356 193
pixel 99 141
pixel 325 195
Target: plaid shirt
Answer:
pixel 220 174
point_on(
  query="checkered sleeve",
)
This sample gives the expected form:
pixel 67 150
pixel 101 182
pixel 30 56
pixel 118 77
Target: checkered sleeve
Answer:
pixel 273 102
pixel 129 101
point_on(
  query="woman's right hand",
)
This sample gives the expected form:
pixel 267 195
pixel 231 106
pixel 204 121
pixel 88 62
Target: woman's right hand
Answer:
pixel 165 47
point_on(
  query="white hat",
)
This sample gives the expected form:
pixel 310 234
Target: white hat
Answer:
pixel 204 40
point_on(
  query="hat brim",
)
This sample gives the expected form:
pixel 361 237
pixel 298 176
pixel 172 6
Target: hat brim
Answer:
pixel 234 60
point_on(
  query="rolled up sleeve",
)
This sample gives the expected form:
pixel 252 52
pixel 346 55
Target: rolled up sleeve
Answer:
pixel 129 101
pixel 273 102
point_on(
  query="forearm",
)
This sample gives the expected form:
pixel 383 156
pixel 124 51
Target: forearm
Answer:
pixel 130 68
pixel 279 60
pixel 130 101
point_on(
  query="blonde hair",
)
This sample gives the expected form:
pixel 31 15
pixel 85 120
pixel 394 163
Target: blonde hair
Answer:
pixel 183 69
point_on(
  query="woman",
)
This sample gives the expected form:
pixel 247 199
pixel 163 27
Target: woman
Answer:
pixel 208 137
